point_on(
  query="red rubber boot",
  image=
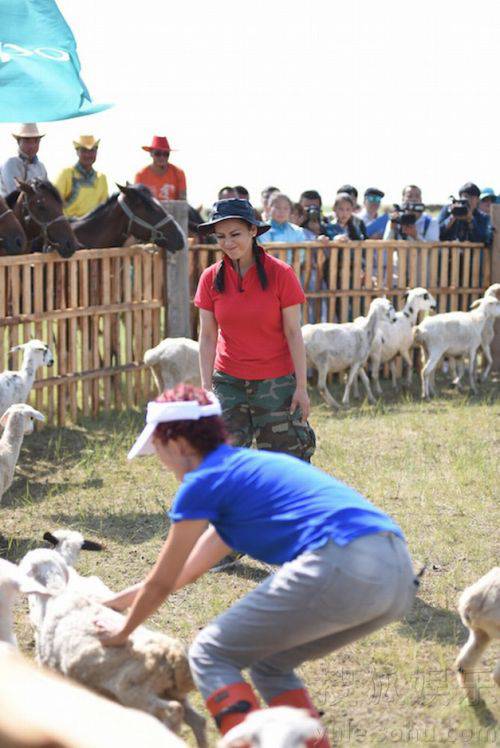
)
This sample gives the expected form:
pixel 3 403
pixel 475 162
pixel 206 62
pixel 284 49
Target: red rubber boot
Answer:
pixel 231 704
pixel 300 699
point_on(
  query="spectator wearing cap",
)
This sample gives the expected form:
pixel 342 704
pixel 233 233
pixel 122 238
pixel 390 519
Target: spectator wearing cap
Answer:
pixel 475 226
pixel 374 222
pixel 82 188
pixel 26 165
pixel 425 228
pixel 166 181
pixel 251 348
pixel 486 200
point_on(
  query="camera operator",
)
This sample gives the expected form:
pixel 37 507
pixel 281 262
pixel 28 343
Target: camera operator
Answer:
pixel 462 220
pixel 410 221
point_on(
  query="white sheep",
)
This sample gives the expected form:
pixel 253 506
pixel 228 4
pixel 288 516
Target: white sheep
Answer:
pixel 174 360
pixel 453 334
pixel 39 709
pixel 151 672
pixel 15 386
pixel 479 608
pixel 276 727
pixel 332 347
pixel 13 582
pixel 69 543
pixel 396 338
pixel 487 336
pixel 17 421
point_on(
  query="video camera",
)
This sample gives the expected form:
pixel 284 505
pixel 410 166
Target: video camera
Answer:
pixel 407 214
pixel 459 207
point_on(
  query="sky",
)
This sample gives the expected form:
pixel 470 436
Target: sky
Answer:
pixel 290 94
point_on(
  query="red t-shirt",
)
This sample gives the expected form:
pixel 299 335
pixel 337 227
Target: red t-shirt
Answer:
pixel 251 343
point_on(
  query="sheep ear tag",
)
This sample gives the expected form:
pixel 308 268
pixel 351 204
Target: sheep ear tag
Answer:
pixel 91 545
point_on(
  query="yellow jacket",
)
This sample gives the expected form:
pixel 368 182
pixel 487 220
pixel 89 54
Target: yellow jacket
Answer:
pixel 81 191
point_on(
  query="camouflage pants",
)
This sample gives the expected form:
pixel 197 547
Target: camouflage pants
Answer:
pixel 260 409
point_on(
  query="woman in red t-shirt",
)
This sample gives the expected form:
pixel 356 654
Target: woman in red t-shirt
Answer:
pixel 251 349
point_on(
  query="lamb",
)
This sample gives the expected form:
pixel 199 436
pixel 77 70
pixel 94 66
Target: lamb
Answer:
pixel 39 709
pixel 151 672
pixel 13 583
pixel 174 360
pixel 276 727
pixel 332 347
pixel 453 334
pixel 17 421
pixel 479 608
pixel 69 543
pixel 15 386
pixel 391 339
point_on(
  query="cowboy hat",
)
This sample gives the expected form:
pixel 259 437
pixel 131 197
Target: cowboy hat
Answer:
pixel 86 141
pixel 235 207
pixel 28 130
pixel 159 143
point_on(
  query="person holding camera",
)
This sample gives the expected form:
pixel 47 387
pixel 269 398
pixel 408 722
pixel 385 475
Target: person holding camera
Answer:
pixel 462 220
pixel 409 221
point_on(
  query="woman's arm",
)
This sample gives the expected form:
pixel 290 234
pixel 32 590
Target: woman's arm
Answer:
pixel 161 580
pixel 293 334
pixel 208 344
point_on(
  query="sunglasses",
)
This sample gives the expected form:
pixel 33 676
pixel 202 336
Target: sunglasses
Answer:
pixel 165 154
pixel 373 199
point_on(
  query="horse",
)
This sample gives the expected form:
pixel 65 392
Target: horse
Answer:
pixel 12 236
pixel 133 211
pixel 39 208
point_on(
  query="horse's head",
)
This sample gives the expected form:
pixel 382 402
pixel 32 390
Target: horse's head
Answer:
pixel 148 219
pixel 43 209
pixel 12 236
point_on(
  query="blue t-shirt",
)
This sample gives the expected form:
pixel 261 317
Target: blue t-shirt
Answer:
pixel 274 507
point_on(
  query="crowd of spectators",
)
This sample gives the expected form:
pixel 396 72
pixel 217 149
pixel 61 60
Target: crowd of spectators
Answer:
pixel 82 188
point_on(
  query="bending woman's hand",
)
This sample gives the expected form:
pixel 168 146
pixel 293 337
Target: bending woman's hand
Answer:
pixel 110 634
pixel 301 400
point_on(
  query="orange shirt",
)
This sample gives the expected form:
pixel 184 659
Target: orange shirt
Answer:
pixel 166 186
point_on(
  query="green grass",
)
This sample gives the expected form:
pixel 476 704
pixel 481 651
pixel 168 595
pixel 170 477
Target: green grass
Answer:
pixel 432 466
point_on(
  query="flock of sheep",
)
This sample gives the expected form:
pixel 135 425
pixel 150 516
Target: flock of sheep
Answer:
pixel 151 673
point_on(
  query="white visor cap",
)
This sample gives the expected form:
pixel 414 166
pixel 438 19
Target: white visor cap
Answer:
pixel 182 410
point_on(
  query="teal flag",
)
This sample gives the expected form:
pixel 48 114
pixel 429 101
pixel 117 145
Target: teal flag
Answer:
pixel 39 67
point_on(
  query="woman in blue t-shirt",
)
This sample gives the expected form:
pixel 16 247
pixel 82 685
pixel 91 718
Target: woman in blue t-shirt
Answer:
pixel 344 567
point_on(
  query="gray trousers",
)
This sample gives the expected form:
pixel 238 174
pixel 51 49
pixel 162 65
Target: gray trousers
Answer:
pixel 313 605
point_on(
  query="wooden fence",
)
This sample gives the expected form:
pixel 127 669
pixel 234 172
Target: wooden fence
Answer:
pixel 98 311
pixel 341 278
pixel 101 309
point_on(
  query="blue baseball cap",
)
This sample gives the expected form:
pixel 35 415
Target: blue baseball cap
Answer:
pixel 234 207
pixel 487 192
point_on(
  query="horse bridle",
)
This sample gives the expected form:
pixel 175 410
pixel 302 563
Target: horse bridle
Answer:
pixel 133 218
pixel 44 225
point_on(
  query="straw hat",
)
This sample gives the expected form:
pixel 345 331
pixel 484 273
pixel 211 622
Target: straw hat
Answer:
pixel 86 141
pixel 28 130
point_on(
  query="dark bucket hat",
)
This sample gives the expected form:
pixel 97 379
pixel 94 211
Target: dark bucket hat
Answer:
pixel 235 207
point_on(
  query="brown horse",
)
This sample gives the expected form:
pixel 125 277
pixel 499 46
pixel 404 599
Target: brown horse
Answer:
pixel 39 207
pixel 131 212
pixel 12 236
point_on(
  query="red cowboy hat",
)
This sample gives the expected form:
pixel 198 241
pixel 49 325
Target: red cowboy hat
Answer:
pixel 159 143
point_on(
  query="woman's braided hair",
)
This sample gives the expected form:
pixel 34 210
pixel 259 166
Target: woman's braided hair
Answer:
pixel 258 254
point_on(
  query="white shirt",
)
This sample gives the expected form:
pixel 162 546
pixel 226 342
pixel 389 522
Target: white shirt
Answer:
pixel 19 167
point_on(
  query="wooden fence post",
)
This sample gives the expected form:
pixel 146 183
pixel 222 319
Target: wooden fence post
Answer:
pixel 178 309
pixel 495 278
